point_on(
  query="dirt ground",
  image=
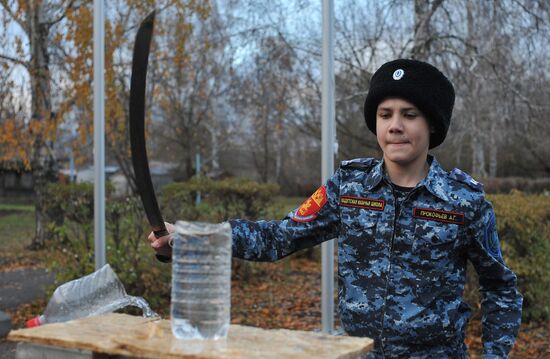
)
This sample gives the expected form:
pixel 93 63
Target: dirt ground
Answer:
pixel 288 295
pixel 285 294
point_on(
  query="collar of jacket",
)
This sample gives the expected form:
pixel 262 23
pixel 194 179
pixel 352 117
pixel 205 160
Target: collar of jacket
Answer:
pixel 435 182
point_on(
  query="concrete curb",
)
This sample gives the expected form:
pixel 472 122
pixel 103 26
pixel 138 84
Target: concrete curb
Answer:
pixel 5 324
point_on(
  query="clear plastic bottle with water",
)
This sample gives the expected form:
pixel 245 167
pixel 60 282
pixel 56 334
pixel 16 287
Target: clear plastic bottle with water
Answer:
pixel 97 293
pixel 201 280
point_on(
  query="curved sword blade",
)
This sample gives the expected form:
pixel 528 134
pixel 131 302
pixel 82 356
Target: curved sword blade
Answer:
pixel 140 163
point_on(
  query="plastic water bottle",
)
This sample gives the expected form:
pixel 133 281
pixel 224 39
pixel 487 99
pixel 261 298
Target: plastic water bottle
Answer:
pixel 201 280
pixel 97 293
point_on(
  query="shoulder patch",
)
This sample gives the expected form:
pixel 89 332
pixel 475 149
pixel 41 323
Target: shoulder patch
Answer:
pixel 490 240
pixel 308 210
pixel 359 163
pixel 461 176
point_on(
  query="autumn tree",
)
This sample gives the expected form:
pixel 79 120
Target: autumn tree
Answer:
pixel 30 26
pixel 51 42
pixel 263 97
pixel 194 68
pixel 121 25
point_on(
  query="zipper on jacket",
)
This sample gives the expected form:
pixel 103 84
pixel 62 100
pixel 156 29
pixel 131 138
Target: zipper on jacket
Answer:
pixel 395 216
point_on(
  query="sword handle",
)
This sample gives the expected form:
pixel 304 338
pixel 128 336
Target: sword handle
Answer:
pixel 161 233
pixel 163 259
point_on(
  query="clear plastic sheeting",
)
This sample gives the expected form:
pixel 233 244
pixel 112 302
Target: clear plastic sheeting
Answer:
pixel 97 293
pixel 201 280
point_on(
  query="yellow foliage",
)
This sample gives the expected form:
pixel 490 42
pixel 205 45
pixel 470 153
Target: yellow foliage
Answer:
pixel 75 38
pixel 13 144
pixel 19 46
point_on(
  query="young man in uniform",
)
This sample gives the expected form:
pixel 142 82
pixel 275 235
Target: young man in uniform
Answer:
pixel 405 230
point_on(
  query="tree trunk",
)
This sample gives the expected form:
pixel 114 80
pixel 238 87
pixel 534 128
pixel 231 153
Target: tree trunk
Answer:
pixel 215 151
pixel 43 161
pixel 421 30
pixel 423 12
pixel 44 172
pixel 279 133
pixel 478 154
pixel 265 162
pixel 493 149
pixel 476 119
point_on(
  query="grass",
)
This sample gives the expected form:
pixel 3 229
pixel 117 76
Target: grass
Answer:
pixel 17 226
pixel 16 223
pixel 16 207
pixel 16 229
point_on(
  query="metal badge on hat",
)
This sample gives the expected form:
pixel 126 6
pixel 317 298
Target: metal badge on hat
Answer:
pixel 398 74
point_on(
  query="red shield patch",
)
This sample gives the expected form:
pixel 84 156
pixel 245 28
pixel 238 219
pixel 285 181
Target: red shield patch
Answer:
pixel 308 210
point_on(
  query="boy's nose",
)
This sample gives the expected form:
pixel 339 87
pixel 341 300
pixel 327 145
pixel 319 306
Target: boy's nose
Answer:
pixel 396 125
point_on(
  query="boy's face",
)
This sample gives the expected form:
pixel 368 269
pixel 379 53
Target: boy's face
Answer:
pixel 403 132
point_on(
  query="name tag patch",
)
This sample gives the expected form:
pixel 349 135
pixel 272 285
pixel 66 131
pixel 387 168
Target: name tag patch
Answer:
pixel 367 203
pixel 438 215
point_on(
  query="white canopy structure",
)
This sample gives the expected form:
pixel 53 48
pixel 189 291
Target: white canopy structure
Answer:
pixel 328 146
pixel 99 134
pixel 327 158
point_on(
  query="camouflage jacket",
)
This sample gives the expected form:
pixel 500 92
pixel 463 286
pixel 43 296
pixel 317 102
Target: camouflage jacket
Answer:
pixel 401 275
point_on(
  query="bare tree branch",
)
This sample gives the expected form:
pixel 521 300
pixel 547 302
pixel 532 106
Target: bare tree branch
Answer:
pixel 63 14
pixel 15 60
pixel 20 22
pixel 537 17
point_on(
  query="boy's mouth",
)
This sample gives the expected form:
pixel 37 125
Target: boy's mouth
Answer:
pixel 398 143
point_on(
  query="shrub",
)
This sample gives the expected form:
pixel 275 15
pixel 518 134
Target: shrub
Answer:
pixel 523 224
pixel 71 246
pixel 524 227
pixel 220 200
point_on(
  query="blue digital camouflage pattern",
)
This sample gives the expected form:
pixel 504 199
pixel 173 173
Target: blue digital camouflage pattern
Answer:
pixel 401 276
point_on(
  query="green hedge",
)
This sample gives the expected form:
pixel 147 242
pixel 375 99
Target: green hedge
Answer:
pixel 70 246
pixel 220 200
pixel 523 223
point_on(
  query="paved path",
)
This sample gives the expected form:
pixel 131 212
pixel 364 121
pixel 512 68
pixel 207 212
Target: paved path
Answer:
pixel 20 286
pixel 7 349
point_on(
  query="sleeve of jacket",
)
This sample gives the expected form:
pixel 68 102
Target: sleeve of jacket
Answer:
pixel 273 240
pixel 501 301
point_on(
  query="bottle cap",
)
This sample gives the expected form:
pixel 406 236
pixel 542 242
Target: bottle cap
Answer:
pixel 34 322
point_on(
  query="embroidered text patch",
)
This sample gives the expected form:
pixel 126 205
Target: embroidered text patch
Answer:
pixel 438 215
pixel 367 203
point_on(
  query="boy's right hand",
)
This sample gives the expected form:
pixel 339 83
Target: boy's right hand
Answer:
pixel 163 245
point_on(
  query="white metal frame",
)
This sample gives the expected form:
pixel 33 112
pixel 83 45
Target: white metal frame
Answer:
pixel 328 146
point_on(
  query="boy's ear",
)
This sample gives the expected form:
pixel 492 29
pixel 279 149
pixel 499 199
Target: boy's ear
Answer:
pixel 432 129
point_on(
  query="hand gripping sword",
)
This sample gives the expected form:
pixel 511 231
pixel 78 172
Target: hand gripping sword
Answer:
pixel 137 131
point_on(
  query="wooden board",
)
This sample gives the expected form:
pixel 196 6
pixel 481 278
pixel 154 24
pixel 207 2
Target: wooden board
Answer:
pixel 121 334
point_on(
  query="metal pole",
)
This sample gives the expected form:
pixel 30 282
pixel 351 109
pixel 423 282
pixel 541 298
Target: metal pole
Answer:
pixel 72 177
pixel 328 144
pixel 99 134
pixel 198 173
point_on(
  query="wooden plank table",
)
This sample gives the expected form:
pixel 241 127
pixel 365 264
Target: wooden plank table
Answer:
pixel 116 335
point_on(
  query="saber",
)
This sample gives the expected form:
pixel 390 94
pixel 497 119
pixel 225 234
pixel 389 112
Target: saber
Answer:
pixel 142 174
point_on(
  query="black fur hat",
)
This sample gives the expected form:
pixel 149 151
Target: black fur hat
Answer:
pixel 421 84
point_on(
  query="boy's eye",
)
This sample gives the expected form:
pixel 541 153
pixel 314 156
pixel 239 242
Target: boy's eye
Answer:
pixel 410 114
pixel 384 115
